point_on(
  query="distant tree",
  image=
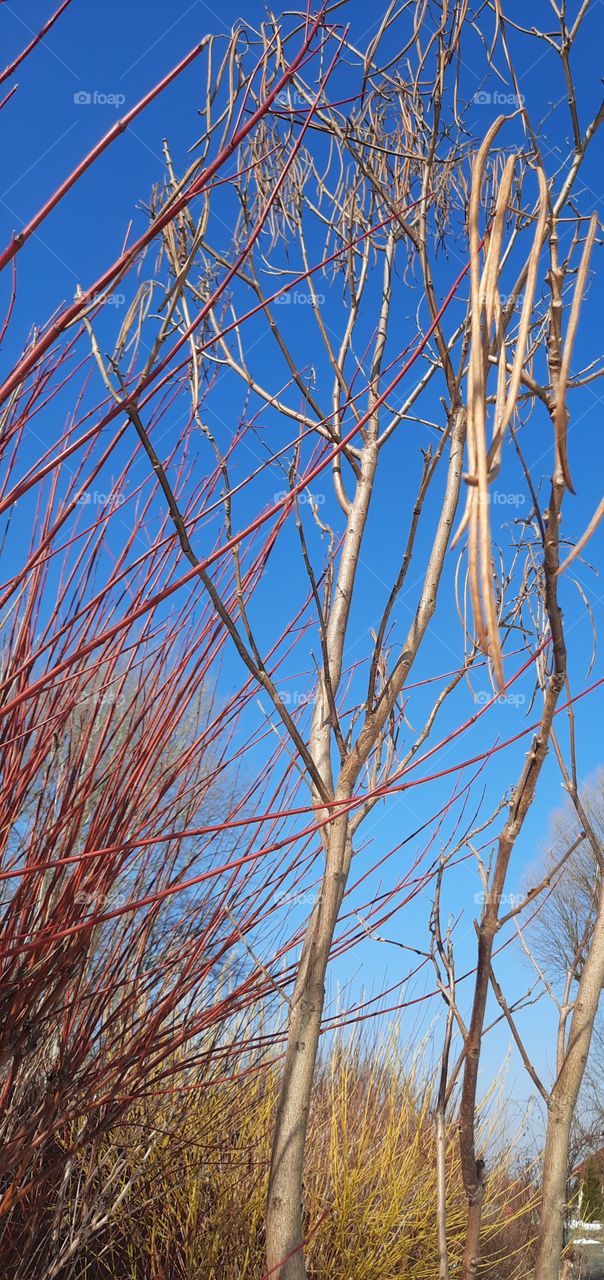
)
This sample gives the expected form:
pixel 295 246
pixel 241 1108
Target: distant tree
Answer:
pixel 592 1203
pixel 562 931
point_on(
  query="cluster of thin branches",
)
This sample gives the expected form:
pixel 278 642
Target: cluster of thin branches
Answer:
pixel 155 828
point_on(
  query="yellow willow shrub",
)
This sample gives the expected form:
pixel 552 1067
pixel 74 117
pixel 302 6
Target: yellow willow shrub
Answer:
pixel 371 1159
pixel 195 1209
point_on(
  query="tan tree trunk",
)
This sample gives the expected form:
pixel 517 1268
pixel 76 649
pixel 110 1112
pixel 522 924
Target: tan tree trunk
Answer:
pixel 284 1208
pixel 563 1100
pixel 284 1234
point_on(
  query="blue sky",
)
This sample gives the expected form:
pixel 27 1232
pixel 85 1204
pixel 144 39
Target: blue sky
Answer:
pixel 114 52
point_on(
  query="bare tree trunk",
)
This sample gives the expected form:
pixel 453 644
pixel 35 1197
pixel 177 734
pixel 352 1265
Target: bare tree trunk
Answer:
pixel 563 1100
pixel 441 1194
pixel 473 1167
pixel 284 1214
pixel 284 1209
pixel 445 952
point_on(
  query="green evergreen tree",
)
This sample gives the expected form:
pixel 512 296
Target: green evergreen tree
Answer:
pixel 592 1203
